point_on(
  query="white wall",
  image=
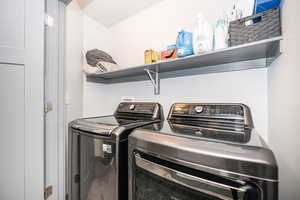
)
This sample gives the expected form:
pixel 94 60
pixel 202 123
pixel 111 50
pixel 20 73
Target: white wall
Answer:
pixel 156 28
pixel 73 57
pixel 95 35
pixel 284 104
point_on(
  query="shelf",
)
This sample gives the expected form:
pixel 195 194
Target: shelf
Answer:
pixel 248 56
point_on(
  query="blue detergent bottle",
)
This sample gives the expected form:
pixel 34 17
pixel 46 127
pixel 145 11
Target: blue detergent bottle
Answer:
pixel 184 44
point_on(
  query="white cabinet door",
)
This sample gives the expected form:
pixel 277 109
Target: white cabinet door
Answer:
pixel 12 135
pixel 21 99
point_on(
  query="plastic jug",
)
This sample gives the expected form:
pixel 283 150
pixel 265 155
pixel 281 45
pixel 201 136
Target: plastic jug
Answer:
pixel 184 44
pixel 221 35
pixel 202 36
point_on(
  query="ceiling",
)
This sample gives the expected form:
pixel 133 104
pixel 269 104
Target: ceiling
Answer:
pixel 111 12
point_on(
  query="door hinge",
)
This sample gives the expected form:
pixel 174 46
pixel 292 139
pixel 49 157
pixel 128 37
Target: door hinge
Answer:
pixel 48 192
pixel 49 20
pixel 48 107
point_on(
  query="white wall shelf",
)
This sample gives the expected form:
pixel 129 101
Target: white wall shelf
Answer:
pixel 248 56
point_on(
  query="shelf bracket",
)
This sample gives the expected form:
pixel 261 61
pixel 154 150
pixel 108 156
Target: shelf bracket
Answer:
pixel 154 78
pixel 273 52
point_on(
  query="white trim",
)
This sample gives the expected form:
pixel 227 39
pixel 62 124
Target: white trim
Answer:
pixel 51 96
pixel 54 92
pixel 62 131
pixel 34 100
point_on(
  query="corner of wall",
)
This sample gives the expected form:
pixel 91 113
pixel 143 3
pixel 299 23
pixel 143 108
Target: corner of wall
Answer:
pixel 73 61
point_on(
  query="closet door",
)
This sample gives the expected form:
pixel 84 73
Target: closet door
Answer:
pixel 21 99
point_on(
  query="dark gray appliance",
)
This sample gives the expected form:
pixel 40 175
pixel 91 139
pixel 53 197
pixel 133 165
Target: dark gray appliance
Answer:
pixel 98 151
pixel 203 152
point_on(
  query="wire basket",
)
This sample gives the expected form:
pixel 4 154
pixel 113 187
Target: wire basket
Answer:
pixel 257 27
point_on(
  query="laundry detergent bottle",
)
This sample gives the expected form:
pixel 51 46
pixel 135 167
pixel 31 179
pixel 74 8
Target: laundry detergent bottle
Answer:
pixel 203 35
pixel 184 44
pixel 221 35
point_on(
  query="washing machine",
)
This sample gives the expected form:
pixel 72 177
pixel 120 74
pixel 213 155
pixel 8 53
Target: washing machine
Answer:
pixel 97 149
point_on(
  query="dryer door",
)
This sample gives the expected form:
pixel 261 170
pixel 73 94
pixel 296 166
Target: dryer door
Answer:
pixel 160 179
pixel 93 167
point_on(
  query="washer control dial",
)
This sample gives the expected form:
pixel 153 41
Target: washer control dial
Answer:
pixel 199 109
pixel 132 107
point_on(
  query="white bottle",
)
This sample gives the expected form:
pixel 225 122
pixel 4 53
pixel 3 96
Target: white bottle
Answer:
pixel 202 36
pixel 221 35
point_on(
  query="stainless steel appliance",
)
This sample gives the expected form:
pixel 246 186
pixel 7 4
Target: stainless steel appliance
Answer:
pixel 98 151
pixel 203 152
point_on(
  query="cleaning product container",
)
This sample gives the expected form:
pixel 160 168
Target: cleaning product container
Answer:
pixel 184 44
pixel 202 36
pixel 221 35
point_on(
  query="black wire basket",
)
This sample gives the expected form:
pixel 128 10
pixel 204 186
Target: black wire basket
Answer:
pixel 257 27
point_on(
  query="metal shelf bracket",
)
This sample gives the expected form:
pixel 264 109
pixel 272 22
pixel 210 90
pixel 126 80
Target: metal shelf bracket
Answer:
pixel 272 53
pixel 154 78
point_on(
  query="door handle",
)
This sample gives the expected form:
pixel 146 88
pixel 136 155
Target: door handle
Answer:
pixel 208 182
pixel 190 181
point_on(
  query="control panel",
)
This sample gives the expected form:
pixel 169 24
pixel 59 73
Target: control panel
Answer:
pixel 137 109
pixel 209 110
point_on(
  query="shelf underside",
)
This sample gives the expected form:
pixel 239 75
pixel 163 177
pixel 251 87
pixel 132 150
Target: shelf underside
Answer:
pixel 249 56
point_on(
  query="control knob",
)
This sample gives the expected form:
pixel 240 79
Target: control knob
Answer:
pixel 132 107
pixel 199 109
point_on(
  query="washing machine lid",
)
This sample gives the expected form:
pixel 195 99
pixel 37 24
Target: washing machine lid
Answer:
pixel 103 125
pixel 127 115
pixel 110 120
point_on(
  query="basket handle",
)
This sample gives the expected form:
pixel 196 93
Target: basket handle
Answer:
pixel 260 16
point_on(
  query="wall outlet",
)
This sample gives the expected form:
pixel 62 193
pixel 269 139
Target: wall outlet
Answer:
pixel 127 99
